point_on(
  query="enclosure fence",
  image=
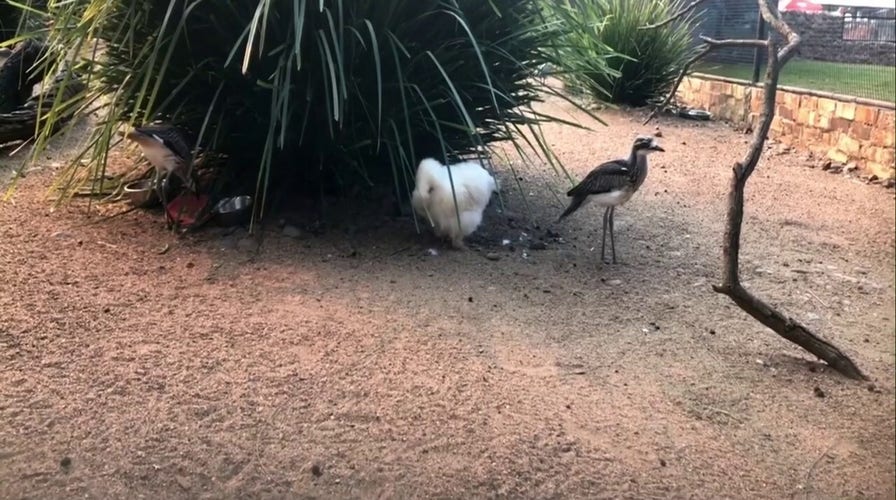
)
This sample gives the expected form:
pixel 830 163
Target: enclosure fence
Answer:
pixel 844 50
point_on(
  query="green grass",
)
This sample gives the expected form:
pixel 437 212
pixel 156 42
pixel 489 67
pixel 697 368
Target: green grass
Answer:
pixel 860 80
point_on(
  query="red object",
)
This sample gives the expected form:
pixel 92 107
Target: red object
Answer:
pixel 186 208
pixel 803 6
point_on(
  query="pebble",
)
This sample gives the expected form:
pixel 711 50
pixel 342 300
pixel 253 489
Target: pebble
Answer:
pixel 819 393
pixel 65 463
pixel 614 282
pixel 492 256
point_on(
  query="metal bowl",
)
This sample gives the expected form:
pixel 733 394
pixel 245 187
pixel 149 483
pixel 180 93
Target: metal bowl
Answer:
pixel 233 211
pixel 141 193
pixel 699 114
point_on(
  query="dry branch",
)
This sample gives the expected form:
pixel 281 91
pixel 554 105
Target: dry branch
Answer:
pixel 731 285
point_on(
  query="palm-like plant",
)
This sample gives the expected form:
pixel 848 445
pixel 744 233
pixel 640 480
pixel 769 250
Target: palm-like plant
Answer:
pixel 310 93
pixel 607 53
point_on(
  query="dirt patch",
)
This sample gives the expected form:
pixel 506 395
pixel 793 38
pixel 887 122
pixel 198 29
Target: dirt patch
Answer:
pixel 355 364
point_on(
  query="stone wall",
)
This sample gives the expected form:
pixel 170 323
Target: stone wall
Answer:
pixel 843 129
pixel 822 40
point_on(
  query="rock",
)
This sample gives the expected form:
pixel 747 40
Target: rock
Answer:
pixel 850 168
pixel 247 244
pixel 819 393
pixel 890 183
pixel 182 482
pixel 873 179
pixel 835 169
pixel 316 471
pixel 228 243
pixel 65 463
pixel 662 463
pixel 657 132
pixel 538 245
pixel 782 150
pixel 291 231
pixel 614 282
pixel 492 256
pixel 826 165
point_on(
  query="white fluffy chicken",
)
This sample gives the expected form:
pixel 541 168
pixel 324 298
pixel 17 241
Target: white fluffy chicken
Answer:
pixel 432 197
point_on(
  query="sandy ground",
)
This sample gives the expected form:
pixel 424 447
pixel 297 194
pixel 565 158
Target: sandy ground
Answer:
pixel 355 364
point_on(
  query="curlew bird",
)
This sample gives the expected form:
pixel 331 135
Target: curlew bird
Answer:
pixel 611 184
pixel 166 149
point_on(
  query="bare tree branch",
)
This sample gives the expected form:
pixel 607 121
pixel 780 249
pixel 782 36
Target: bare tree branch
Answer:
pixel 678 15
pixel 733 43
pixel 771 15
pixel 731 285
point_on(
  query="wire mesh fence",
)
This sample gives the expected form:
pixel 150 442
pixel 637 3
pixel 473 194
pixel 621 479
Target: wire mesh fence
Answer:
pixel 849 50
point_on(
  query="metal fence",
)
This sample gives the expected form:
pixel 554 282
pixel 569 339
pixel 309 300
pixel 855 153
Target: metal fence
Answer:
pixel 844 50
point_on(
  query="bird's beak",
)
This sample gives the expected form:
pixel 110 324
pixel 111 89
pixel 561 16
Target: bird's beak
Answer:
pixel 656 147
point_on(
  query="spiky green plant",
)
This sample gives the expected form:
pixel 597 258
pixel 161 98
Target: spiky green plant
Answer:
pixel 598 34
pixel 302 94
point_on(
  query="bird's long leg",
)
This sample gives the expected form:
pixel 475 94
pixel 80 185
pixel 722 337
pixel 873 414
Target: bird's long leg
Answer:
pixel 164 196
pixel 603 242
pixel 612 239
pixel 156 178
pixel 159 185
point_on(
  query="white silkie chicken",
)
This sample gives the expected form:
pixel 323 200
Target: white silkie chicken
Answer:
pixel 433 200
